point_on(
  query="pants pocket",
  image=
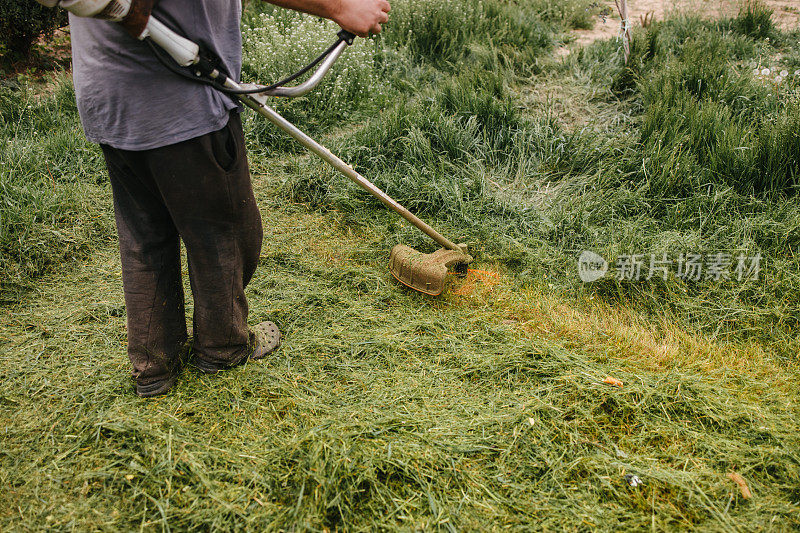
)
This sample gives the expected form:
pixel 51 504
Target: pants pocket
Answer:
pixel 224 147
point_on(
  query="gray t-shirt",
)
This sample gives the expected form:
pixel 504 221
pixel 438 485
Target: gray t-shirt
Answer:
pixel 130 101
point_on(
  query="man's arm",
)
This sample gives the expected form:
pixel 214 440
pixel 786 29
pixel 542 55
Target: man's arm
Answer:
pixel 361 17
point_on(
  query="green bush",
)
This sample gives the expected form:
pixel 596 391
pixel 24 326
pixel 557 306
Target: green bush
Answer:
pixel 754 20
pixel 575 15
pixel 23 22
pixel 448 33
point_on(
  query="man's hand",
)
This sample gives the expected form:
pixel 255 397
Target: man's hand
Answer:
pixel 136 20
pixel 361 17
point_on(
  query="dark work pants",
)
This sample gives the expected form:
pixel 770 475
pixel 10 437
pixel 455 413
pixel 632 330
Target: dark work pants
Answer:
pixel 198 191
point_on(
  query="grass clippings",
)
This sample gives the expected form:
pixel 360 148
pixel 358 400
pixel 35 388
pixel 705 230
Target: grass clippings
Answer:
pixel 486 408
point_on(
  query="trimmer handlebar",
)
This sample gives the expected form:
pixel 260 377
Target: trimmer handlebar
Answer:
pixel 203 64
pixel 313 81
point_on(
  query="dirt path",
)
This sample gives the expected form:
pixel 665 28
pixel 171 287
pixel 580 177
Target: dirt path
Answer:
pixel 786 14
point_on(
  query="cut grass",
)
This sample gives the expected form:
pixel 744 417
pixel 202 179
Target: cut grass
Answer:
pixel 486 408
pixel 385 409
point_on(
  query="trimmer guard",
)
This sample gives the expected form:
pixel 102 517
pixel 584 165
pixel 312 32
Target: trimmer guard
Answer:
pixel 426 272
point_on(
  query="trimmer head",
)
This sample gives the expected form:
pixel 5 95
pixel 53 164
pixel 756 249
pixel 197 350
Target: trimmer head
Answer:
pixel 426 272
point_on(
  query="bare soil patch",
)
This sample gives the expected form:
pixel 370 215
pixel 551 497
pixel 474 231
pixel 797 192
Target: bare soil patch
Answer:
pixel 786 14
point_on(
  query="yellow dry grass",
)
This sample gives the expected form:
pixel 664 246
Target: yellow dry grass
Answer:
pixel 615 331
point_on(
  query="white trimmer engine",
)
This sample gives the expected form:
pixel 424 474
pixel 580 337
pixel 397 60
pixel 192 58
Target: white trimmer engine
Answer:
pixel 134 15
pixel 115 10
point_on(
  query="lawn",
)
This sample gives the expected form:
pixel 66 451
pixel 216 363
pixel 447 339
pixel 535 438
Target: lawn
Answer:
pixel 487 408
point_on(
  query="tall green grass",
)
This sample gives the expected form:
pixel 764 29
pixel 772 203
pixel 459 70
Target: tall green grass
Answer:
pixel 716 161
pixel 52 186
pixel 450 33
pixel 755 20
pixel 709 163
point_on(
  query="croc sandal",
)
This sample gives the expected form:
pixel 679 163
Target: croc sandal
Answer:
pixel 268 338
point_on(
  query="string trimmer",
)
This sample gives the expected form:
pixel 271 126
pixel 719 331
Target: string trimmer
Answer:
pixel 422 272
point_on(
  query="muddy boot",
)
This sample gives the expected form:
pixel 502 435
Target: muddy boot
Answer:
pixel 149 387
pixel 157 387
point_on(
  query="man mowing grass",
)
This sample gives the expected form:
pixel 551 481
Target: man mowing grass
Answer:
pixel 176 159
